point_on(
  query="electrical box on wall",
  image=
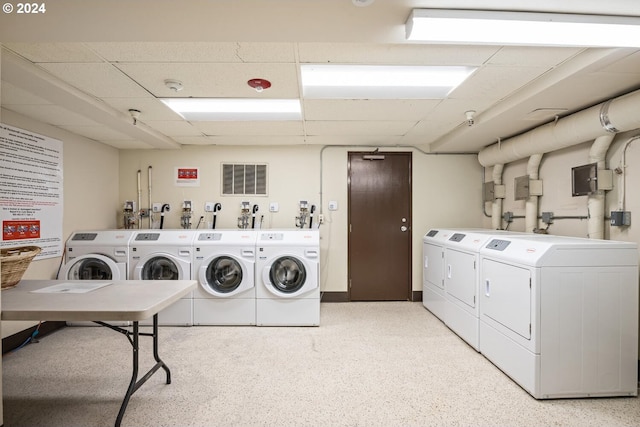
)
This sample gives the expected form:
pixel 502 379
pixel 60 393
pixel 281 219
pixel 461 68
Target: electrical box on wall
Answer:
pixel 488 190
pixel 526 187
pixel 620 218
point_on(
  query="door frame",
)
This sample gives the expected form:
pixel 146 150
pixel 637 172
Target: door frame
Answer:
pixel 409 289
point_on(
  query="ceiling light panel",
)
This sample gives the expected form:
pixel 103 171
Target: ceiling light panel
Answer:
pixel 522 28
pixel 235 109
pixel 322 81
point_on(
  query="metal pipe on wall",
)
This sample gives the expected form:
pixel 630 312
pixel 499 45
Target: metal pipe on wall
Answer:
pixel 496 207
pixel 531 204
pixel 616 115
pixel 595 202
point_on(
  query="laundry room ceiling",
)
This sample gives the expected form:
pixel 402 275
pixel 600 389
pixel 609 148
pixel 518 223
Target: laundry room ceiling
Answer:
pixel 83 65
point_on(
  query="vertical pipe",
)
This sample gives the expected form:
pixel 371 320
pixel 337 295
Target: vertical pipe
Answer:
pixel 595 202
pixel 496 208
pixel 531 205
pixel 150 203
pixel 139 200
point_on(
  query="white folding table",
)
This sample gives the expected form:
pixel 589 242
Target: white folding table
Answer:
pixel 101 302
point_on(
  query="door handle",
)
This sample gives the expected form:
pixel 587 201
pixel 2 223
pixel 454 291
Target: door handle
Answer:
pixel 403 228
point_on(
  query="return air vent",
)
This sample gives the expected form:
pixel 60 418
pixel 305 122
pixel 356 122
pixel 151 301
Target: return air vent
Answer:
pixel 244 179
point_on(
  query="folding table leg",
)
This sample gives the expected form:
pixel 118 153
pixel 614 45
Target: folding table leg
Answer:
pixel 134 384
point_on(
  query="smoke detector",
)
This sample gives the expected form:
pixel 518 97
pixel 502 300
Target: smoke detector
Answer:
pixel 174 85
pixel 362 3
pixel 259 84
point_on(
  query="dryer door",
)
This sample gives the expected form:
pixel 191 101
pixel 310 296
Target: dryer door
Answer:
pixel 161 266
pixel 224 276
pixel 288 276
pixel 93 267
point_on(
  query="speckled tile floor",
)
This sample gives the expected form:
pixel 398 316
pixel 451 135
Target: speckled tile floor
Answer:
pixel 368 364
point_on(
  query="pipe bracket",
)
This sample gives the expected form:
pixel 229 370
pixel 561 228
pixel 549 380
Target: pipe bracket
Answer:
pixel 604 118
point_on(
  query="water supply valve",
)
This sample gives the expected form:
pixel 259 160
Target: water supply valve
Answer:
pixel 129 212
pixel 185 218
pixel 245 215
pixel 301 220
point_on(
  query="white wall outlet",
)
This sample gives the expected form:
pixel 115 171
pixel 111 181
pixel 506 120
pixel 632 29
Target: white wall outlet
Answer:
pixel 333 205
pixel 274 207
pixel 208 206
pixel 156 207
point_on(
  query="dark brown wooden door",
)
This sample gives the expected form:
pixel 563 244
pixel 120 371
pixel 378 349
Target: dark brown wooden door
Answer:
pixel 379 226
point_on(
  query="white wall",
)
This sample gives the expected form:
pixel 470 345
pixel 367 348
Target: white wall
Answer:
pixel 90 192
pixel 446 191
pixel 555 172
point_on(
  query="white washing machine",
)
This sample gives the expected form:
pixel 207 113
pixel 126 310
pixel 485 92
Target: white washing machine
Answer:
pixel 164 255
pixel 559 315
pixel 96 255
pixel 287 278
pixel 224 265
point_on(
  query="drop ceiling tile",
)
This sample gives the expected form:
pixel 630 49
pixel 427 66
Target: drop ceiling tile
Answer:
pixel 97 133
pixel 11 94
pixel 451 112
pixel 628 64
pixel 54 52
pixel 250 128
pixel 51 114
pixel 267 140
pixel 128 144
pixel 525 56
pixel 174 127
pixel 496 82
pixel 368 109
pixel 215 80
pixel 349 140
pixel 101 80
pixel 151 109
pixel 195 52
pixel 365 128
pixel 396 54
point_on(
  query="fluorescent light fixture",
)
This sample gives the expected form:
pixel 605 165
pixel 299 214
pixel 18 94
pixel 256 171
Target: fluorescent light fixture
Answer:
pixel 522 28
pixel 324 81
pixel 235 109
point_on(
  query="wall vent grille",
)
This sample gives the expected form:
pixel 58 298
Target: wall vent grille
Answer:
pixel 244 179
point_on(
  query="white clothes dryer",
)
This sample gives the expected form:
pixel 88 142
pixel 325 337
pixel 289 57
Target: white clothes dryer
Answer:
pixel 287 276
pixel 96 255
pixel 224 265
pixel 559 315
pixel 462 280
pixel 164 255
pixel 433 296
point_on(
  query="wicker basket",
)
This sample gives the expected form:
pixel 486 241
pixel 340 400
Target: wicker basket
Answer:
pixel 15 262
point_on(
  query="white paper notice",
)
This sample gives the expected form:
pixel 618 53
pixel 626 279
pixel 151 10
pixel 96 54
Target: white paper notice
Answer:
pixel 71 288
pixel 31 190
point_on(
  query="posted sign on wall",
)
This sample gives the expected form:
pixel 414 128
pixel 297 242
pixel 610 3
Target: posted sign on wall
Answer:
pixel 31 190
